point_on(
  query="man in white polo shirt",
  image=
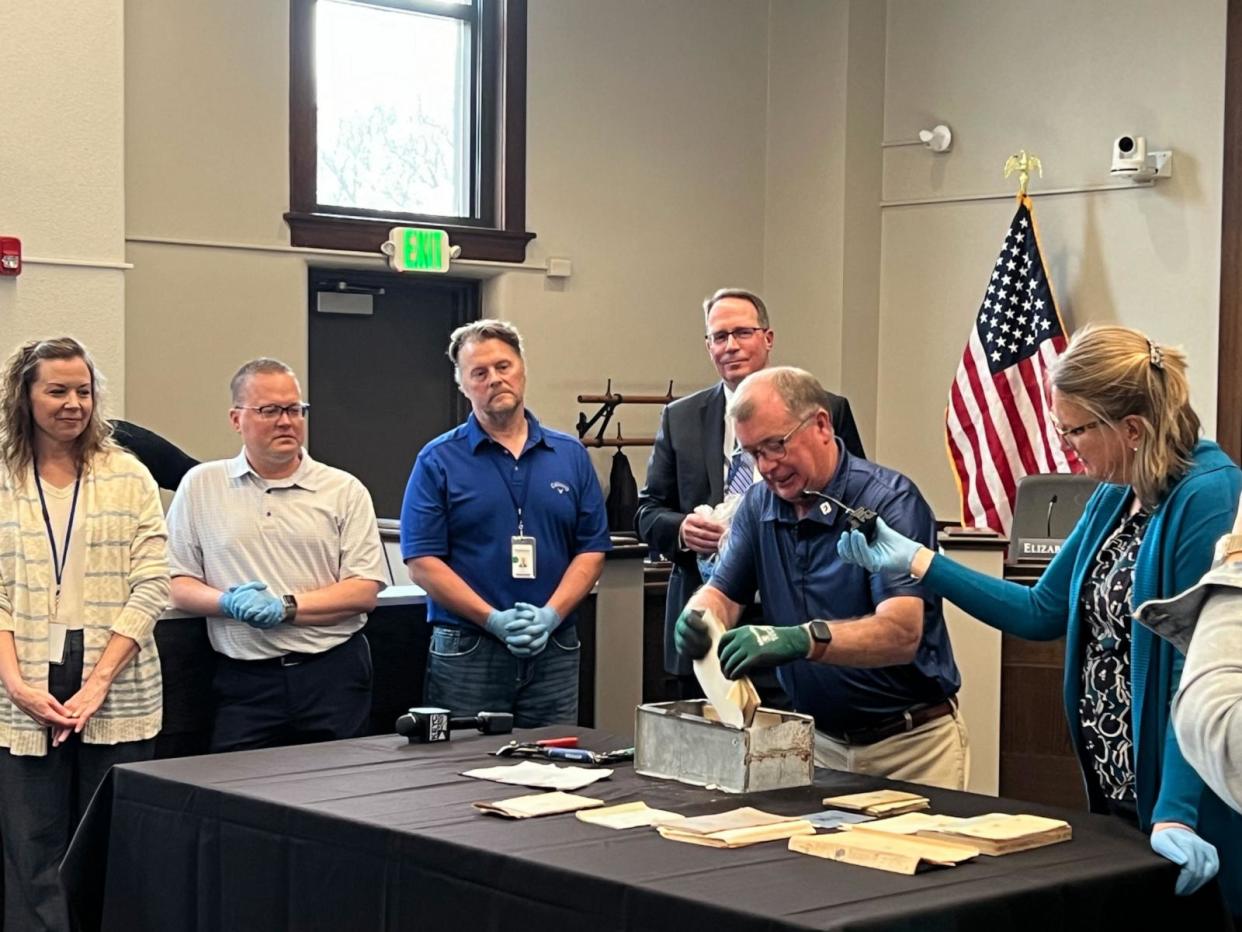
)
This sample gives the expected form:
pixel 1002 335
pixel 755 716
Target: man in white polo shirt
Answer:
pixel 282 555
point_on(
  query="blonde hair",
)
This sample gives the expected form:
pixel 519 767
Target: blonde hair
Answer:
pixel 1116 372
pixel 17 414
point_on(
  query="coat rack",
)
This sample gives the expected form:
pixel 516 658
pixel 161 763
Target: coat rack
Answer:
pixel 608 403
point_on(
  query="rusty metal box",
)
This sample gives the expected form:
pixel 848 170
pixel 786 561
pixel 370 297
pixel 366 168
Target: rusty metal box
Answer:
pixel 685 741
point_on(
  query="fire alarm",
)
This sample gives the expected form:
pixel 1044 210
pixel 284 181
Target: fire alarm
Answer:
pixel 10 255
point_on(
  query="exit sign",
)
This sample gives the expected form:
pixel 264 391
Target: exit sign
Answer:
pixel 414 249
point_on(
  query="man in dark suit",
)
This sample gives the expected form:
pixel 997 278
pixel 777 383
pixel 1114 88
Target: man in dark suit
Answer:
pixel 694 460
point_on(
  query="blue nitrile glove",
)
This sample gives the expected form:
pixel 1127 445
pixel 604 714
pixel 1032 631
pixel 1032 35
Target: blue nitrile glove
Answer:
pixel 259 608
pixel 507 624
pixel 761 646
pixel 227 605
pixel 891 552
pixel 1196 857
pixel 539 627
pixel 690 634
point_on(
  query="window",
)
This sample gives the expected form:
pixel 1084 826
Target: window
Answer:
pixel 409 113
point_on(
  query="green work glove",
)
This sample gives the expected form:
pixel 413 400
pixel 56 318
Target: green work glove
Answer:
pixel 761 646
pixel 690 635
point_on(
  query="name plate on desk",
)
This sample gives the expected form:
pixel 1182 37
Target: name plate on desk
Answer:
pixel 1039 548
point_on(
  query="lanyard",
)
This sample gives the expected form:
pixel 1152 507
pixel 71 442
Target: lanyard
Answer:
pixel 504 479
pixel 57 567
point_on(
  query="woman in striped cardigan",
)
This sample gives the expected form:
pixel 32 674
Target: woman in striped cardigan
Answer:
pixel 83 578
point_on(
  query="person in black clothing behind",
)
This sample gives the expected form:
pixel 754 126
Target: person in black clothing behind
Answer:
pixel 167 462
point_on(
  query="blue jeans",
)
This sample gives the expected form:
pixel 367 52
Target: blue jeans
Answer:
pixel 469 671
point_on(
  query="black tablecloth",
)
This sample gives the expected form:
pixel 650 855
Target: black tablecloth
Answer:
pixel 376 834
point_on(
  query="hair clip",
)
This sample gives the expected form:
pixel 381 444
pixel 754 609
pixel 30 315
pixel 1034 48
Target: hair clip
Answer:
pixel 1155 354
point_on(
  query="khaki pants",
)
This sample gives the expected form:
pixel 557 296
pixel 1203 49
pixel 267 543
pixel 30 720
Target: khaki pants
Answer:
pixel 937 753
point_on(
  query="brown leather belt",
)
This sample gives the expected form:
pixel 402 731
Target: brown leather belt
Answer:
pixel 907 721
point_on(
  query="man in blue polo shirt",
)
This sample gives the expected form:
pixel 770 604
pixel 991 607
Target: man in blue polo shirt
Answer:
pixel 504 525
pixel 866 654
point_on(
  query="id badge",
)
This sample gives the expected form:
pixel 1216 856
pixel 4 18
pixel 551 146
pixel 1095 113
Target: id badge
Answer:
pixel 523 554
pixel 56 636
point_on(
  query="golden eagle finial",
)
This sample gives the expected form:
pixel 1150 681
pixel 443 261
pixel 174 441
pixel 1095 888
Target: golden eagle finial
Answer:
pixel 1023 164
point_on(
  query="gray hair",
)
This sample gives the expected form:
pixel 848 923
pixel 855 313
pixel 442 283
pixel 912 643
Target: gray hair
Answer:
pixel 761 309
pixel 797 388
pixel 264 365
pixel 486 329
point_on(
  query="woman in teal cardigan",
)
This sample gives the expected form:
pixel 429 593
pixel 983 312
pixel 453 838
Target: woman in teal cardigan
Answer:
pixel 1122 404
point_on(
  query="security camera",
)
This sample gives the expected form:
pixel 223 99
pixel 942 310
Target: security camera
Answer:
pixel 1129 155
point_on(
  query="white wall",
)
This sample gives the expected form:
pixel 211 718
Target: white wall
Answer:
pixel 1063 84
pixel 645 158
pixel 61 164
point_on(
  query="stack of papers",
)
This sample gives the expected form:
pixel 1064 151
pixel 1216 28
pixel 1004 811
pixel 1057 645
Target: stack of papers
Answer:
pixel 735 701
pixel 997 833
pixel 735 829
pixel 629 815
pixel 538 804
pixel 879 803
pixel 540 776
pixel 993 834
pixel 899 854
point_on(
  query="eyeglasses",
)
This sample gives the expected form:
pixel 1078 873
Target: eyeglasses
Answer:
pixel 273 412
pixel 1073 433
pixel 721 337
pixel 774 449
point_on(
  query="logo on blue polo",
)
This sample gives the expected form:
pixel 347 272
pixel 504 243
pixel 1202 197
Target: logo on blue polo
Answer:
pixel 560 487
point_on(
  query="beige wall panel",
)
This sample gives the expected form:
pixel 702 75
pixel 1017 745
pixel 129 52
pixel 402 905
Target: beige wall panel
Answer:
pixel 645 167
pixel 1064 89
pixel 207 134
pixel 61 148
pixel 805 182
pixel 195 315
pixel 62 135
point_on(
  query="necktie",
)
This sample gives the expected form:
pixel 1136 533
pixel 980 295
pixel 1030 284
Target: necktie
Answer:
pixel 741 471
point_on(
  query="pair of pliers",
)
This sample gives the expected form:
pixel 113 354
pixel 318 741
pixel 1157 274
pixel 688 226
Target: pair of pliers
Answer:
pixel 565 749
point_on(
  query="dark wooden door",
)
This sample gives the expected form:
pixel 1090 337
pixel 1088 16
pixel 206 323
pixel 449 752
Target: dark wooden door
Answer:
pixel 380 385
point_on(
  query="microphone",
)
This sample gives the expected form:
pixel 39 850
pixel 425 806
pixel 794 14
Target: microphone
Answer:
pixel 1052 502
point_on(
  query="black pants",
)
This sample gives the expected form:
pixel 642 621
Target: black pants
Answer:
pixel 41 802
pixel 322 697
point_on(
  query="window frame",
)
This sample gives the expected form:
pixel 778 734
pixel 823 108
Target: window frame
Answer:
pixel 499 184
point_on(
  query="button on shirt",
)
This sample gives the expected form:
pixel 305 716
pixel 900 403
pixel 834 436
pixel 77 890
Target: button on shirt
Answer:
pixel 795 566
pixel 228 525
pixel 461 506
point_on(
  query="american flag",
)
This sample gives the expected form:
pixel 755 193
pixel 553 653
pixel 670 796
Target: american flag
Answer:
pixel 998 423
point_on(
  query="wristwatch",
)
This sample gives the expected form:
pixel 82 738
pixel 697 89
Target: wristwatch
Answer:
pixel 821 635
pixel 291 607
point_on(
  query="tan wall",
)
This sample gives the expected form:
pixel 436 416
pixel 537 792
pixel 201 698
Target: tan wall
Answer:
pixel 674 148
pixel 1064 84
pixel 822 244
pixel 645 154
pixel 62 173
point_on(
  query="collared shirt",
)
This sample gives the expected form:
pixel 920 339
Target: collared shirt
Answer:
pixel 462 501
pixel 795 566
pixel 228 525
pixel 730 438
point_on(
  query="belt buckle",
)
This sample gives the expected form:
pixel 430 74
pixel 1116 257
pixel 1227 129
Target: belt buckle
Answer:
pixel 290 660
